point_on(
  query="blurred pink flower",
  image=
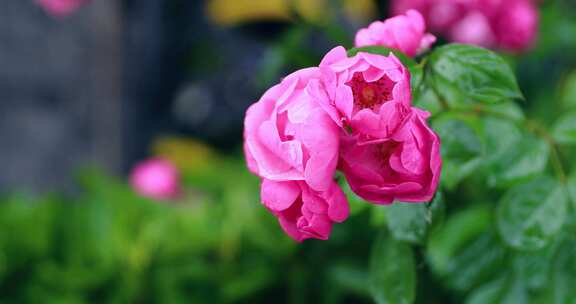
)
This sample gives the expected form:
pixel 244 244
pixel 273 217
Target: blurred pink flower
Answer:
pixel 405 166
pixel 517 26
pixel 473 29
pixel 507 24
pixel 369 93
pixel 288 137
pixel 302 212
pixel 156 178
pixel 61 8
pixel 406 33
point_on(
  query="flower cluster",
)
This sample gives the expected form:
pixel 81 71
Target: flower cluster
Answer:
pixel 508 24
pixel 352 114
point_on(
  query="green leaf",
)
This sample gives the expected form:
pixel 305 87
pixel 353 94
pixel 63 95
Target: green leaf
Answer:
pixel 459 230
pixel 476 262
pixel 461 148
pixel 569 91
pixel 377 216
pixel 407 221
pixel 500 135
pixel 459 71
pixel 533 267
pixel 559 273
pixel 521 160
pixel 423 97
pixel 570 188
pixel 247 283
pixel 416 77
pixel 392 275
pixel 410 221
pixel 564 130
pixel 509 109
pixel 506 290
pixel 564 274
pixel 531 214
pixel 349 276
pixel 465 252
pixel 436 211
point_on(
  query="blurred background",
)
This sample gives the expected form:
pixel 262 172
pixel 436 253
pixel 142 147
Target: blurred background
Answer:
pixel 102 84
pixel 86 96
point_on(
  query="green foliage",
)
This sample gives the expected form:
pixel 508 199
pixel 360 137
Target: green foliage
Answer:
pixel 392 272
pixel 531 214
pixel 467 73
pixel 461 144
pixel 564 131
pixel 464 238
pixel 411 222
pixel 569 91
pixel 507 220
pixel 527 157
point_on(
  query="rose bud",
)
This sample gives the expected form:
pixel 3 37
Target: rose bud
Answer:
pixel 406 33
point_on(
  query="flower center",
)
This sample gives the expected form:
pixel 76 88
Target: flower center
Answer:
pixel 370 95
pixel 383 151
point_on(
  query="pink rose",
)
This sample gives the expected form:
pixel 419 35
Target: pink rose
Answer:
pixel 302 212
pixel 293 144
pixel 368 93
pixel 288 137
pixel 403 32
pixel 444 14
pixel 508 24
pixel 61 8
pixel 387 151
pixel 156 178
pixel 405 166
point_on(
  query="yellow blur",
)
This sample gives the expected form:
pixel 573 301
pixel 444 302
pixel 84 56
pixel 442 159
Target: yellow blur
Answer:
pixel 232 12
